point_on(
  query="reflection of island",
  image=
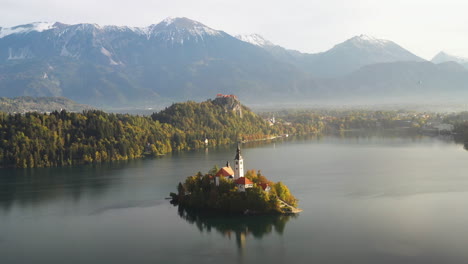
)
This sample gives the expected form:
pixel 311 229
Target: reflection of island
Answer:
pixel 239 226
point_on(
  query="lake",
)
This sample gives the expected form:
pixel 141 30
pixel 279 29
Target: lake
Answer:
pixel 366 199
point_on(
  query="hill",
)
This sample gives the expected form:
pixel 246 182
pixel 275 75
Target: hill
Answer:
pixel 223 119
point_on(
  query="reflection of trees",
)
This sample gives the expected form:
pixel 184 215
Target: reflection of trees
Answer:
pixel 461 139
pixel 30 187
pixel 239 226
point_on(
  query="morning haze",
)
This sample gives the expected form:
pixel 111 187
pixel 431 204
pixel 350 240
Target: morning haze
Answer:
pixel 233 132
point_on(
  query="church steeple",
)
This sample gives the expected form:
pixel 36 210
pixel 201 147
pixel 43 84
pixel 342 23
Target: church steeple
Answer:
pixel 239 164
pixel 238 154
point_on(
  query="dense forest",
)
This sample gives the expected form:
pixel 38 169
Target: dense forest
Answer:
pixel 63 138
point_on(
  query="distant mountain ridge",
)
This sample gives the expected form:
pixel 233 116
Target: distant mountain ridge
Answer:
pixel 180 59
pixel 340 60
pixel 39 104
pixel 357 52
pixel 403 82
pixel 442 57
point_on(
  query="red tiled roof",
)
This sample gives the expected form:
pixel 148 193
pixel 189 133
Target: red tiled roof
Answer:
pixel 225 172
pixel 264 185
pixel 243 181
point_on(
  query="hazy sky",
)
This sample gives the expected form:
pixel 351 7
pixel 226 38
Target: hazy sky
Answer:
pixel 425 27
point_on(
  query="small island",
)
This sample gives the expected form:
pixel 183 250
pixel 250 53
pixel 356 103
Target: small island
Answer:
pixel 228 190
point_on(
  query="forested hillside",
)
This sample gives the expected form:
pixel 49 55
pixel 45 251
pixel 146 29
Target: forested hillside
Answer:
pixel 224 120
pixel 64 138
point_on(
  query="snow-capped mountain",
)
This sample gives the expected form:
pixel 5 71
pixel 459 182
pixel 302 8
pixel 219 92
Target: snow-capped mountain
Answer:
pixel 171 28
pixel 178 30
pixel 181 59
pixel 24 29
pixel 176 59
pixel 67 40
pixel 366 40
pixel 374 50
pixel 255 39
pixel 355 53
pixel 340 60
pixel 442 57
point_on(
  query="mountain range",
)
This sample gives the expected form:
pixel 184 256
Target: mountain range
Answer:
pixel 180 59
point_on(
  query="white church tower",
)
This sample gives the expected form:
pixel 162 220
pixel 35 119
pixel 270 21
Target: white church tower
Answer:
pixel 239 165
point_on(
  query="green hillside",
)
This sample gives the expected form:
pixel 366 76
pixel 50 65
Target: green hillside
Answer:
pixel 62 138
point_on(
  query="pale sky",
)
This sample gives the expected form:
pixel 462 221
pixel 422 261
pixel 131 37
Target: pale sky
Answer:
pixel 424 27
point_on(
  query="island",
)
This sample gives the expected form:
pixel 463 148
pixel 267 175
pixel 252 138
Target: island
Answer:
pixel 228 190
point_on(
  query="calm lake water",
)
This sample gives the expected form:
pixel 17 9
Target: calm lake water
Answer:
pixel 366 199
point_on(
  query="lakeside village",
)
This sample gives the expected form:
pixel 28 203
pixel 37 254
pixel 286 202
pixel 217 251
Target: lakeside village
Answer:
pixel 228 190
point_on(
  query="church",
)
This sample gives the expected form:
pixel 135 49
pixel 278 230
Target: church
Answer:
pixel 237 175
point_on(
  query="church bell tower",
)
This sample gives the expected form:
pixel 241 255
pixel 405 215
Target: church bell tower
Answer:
pixel 239 164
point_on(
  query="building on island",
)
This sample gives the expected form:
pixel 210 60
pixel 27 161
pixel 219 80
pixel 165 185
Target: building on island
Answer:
pixel 243 183
pixel 237 175
pixel 239 164
pixel 265 186
pixel 224 172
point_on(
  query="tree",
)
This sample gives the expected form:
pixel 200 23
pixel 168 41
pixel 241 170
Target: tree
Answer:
pixel 180 191
pixel 213 170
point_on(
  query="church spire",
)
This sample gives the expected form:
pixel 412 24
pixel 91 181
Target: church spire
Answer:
pixel 238 154
pixel 239 164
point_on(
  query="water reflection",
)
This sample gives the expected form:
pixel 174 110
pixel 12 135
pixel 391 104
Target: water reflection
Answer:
pixel 239 227
pixel 33 187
